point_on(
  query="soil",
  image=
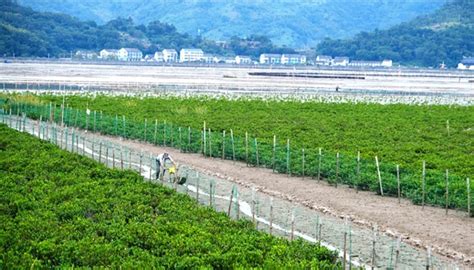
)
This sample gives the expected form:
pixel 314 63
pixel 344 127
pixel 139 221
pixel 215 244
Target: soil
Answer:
pixel 449 235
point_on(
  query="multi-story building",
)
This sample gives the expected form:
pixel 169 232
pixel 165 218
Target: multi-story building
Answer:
pixel 243 60
pixel 170 55
pixel 190 55
pixel 467 63
pixel 159 57
pixel 130 54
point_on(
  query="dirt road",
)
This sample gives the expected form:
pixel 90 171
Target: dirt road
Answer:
pixel 451 235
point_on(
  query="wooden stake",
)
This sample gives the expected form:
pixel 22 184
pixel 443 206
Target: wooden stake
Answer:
pixel 144 133
pixel 374 242
pixel 271 215
pixel 223 144
pixel 319 164
pixel 397 253
pixel 256 152
pixel 302 165
pixel 423 185
pixel 447 191
pixel 233 145
pixel 292 236
pixel 204 139
pixel 337 168
pixel 358 172
pixel 288 171
pixel 155 131
pixel 164 133
pixel 378 174
pixel 230 202
pixel 468 185
pixel 210 144
pixel 398 182
pixel 428 258
pixel 274 153
pixel 247 148
pixel 188 147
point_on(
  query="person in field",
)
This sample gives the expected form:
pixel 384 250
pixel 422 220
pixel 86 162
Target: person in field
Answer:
pixel 161 164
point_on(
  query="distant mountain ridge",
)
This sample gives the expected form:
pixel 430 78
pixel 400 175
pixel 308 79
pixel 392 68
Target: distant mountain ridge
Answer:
pixel 293 23
pixel 445 36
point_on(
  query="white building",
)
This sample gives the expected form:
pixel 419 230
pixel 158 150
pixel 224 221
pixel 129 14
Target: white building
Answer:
pixel 190 55
pixel 269 58
pixel 387 63
pixel 323 60
pixel 130 54
pixel 208 58
pixel 467 63
pixel 159 57
pixel 243 60
pixel 170 55
pixel 108 54
pixel 293 59
pixel 86 55
pixel 340 61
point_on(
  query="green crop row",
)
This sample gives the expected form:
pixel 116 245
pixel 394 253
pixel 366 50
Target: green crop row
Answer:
pixel 58 209
pixel 138 120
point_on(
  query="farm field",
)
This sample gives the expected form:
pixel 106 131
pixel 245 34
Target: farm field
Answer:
pixel 63 210
pixel 404 135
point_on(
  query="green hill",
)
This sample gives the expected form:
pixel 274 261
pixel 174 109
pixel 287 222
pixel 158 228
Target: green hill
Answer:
pixel 444 36
pixel 25 32
pixel 293 23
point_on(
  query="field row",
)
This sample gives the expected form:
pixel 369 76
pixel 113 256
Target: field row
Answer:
pixel 60 210
pixel 288 156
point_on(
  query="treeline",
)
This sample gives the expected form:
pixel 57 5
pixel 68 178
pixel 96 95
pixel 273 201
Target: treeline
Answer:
pixel 446 36
pixel 27 33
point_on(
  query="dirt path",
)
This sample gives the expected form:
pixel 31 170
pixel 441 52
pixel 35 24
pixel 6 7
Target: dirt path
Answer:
pixel 451 235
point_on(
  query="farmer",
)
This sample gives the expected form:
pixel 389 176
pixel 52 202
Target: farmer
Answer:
pixel 161 160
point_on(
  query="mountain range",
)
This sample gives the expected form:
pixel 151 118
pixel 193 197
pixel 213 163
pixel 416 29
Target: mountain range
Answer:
pixel 298 24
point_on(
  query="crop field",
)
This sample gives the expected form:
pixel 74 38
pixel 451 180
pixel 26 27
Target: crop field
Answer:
pixel 403 135
pixel 63 210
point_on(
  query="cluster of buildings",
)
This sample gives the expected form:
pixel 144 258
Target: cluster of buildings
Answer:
pixel 198 55
pixel 325 60
pixel 187 56
pixel 466 63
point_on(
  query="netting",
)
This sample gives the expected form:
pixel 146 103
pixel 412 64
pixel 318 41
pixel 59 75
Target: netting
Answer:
pixel 277 216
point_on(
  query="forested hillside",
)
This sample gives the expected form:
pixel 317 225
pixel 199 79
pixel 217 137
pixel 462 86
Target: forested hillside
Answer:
pixel 294 23
pixel 444 36
pixel 25 32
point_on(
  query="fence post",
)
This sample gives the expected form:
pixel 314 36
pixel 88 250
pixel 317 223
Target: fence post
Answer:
pixel 247 148
pixel 233 145
pixel 292 235
pixel 223 144
pixel 428 258
pixel 398 182
pixel 337 168
pixel 358 172
pixel 210 144
pixel 447 190
pixel 303 163
pixel 468 185
pixel 180 143
pixel 100 151
pixel 204 145
pixel 256 152
pixel 374 242
pixel 288 171
pixel 124 127
pixel 188 146
pixel 423 185
pixel 144 133
pixel 397 253
pixel 274 153
pixel 155 131
pixel 271 215
pixel 319 163
pixel 378 175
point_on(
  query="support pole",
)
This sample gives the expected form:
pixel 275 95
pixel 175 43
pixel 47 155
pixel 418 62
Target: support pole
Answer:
pixel 378 175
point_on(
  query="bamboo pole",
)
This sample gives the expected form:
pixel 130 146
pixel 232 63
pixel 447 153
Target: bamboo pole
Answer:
pixel 271 215
pixel 256 153
pixel 358 172
pixel 319 164
pixel 398 183
pixel 337 168
pixel 233 145
pixel 247 148
pixel 423 185
pixel 288 170
pixel 468 185
pixel 447 191
pixel 379 175
pixel 292 236
pixel 155 131
pixel 274 153
pixel 223 144
pixel 303 163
